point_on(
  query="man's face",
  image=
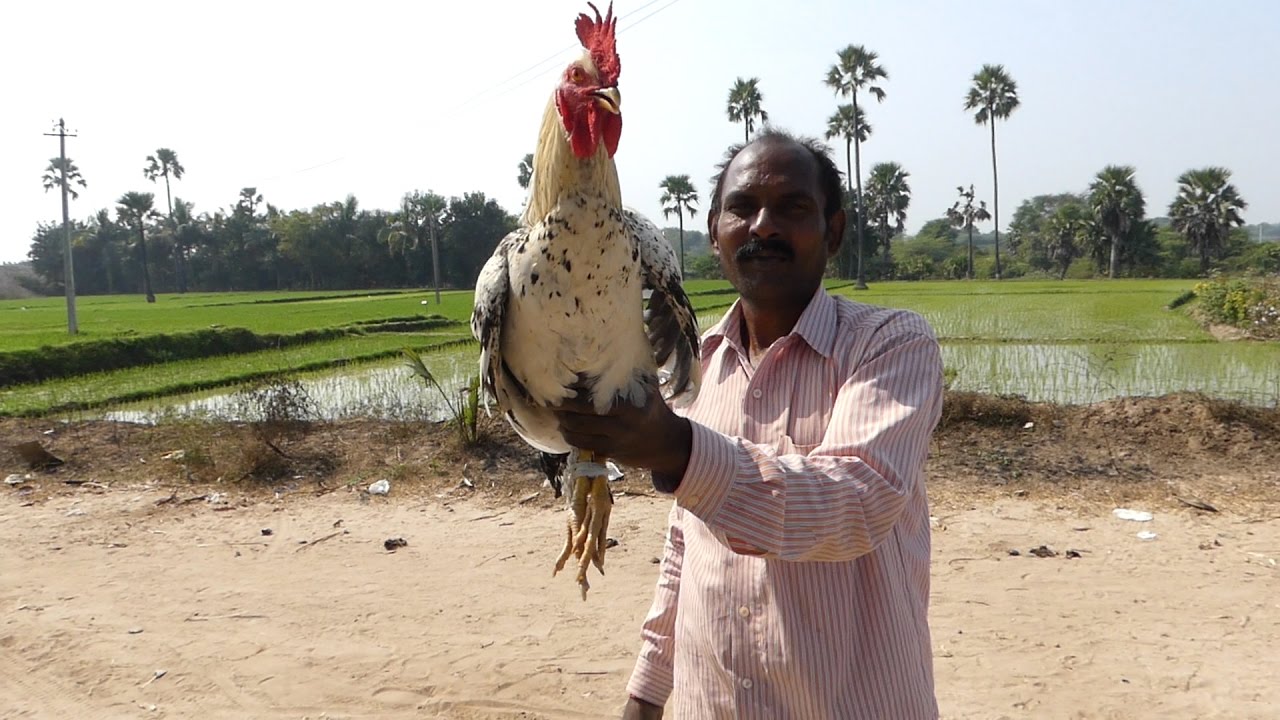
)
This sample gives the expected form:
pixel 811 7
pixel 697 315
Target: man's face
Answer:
pixel 770 234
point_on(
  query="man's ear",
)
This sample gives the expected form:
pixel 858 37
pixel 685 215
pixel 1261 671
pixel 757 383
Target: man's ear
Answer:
pixel 835 231
pixel 711 233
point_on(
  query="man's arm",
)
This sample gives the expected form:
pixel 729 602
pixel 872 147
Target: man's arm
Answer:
pixel 652 679
pixel 842 499
pixel 836 503
pixel 637 709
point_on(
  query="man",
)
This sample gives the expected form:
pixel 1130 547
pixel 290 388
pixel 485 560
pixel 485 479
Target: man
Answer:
pixel 795 581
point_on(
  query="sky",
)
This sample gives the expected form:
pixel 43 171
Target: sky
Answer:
pixel 309 102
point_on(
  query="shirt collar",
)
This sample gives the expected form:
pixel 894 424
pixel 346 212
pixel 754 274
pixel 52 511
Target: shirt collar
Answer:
pixel 816 326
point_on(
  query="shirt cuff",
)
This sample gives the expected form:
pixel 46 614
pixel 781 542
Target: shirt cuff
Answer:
pixel 649 682
pixel 709 475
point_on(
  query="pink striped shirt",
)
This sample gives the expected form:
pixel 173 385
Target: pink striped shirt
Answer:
pixel 795 582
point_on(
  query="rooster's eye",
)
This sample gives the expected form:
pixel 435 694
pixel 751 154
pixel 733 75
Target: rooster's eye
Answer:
pixel 577 76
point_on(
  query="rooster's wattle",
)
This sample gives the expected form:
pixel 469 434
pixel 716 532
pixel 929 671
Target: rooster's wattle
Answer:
pixel 560 306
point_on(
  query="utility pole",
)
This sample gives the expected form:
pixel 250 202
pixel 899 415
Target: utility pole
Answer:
pixel 68 269
pixel 435 257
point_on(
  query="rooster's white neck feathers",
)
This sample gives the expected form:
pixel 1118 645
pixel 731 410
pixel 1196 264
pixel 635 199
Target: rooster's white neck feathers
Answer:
pixel 556 170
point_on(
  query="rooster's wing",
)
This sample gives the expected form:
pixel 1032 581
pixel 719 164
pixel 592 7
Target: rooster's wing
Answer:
pixel 670 321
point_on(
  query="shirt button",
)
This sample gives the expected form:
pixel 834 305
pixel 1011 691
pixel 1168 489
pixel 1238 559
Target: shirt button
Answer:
pixel 693 499
pixel 746 683
pixel 744 611
pixel 756 393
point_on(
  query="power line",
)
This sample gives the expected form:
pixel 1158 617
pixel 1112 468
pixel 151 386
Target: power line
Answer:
pixel 537 68
pixel 544 61
pixel 299 171
pixel 646 17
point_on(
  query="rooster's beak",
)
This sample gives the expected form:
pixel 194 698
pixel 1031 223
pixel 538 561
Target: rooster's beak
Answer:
pixel 609 99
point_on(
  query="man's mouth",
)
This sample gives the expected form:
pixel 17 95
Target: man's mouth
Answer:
pixel 764 251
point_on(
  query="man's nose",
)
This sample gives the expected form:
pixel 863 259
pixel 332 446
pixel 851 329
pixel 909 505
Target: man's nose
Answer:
pixel 762 225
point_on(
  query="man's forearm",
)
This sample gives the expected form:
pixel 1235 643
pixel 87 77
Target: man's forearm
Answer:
pixel 638 709
pixel 668 470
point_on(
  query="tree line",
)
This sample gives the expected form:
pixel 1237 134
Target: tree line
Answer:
pixel 1105 227
pixel 133 247
pixel 433 241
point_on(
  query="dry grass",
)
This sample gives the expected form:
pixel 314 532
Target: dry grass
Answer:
pixel 1151 451
pixel 1147 450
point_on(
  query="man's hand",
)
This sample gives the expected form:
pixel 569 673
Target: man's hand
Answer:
pixel 638 709
pixel 652 436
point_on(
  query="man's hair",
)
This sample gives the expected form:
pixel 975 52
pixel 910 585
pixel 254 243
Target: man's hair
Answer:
pixel 828 174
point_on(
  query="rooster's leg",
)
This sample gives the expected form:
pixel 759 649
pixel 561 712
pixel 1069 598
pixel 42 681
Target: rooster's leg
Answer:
pixel 578 491
pixel 588 526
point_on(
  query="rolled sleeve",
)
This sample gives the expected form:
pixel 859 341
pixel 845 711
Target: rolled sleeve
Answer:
pixel 710 473
pixel 651 681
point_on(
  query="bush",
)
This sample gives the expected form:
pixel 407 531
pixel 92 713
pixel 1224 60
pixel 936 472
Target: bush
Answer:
pixel 1184 268
pixel 1251 304
pixel 276 409
pixel 916 267
pixel 1258 257
pixel 1081 269
pixel 955 268
pixel 703 267
pixel 1010 267
pixel 1224 301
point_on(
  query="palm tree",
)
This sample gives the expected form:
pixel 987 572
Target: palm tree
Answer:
pixel 418 221
pixel 54 176
pixel 135 209
pixel 186 233
pixel 1068 230
pixel 526 171
pixel 888 196
pixel 164 164
pixel 963 215
pixel 745 105
pixel 1205 209
pixel 248 202
pixel 851 124
pixel 995 96
pixel 679 197
pixel 857 69
pixel 1117 206
pixel 100 241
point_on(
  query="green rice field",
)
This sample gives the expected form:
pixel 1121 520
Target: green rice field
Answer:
pixel 26 324
pixel 1067 342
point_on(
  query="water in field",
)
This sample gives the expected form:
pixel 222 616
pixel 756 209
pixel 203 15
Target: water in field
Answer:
pixel 1086 373
pixel 382 390
pixel 1063 373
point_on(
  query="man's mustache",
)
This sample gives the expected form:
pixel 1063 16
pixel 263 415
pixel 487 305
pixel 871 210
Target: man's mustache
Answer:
pixel 771 246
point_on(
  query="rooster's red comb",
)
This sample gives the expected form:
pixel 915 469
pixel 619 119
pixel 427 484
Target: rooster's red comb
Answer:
pixel 597 36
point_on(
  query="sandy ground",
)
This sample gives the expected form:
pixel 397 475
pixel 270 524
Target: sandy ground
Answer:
pixel 114 606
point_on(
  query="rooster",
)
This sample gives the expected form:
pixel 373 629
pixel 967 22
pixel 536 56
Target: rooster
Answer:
pixel 560 306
